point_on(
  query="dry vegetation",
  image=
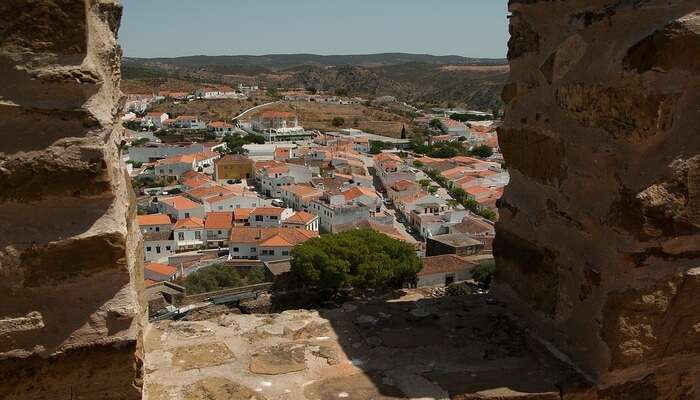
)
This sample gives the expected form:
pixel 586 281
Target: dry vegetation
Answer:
pixel 320 116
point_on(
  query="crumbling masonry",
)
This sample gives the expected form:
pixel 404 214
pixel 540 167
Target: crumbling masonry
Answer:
pixel 70 272
pixel 598 249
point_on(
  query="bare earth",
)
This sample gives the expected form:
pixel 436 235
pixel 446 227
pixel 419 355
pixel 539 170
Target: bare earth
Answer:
pixel 450 348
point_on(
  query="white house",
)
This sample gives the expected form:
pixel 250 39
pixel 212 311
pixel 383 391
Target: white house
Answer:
pixel 444 270
pixel 154 119
pixel 216 92
pixel 302 220
pixel 158 245
pixel 232 201
pixel 269 216
pixel 221 128
pixel 190 122
pixel 176 166
pixel 179 207
pixel 189 233
pixel 154 223
pixel 266 244
pixel 217 228
pixel 452 127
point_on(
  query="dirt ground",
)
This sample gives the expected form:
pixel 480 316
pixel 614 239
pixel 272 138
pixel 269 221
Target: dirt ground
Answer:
pixel 320 116
pixel 411 348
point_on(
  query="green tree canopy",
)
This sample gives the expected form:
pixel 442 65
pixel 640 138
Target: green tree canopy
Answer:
pixel 357 258
pixel 338 121
pixel 482 151
pixel 212 278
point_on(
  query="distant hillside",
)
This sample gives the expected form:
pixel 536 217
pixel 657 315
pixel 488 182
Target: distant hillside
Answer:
pixel 475 83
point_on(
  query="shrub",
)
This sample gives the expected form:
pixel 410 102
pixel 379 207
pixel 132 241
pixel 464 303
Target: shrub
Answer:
pixel 212 278
pixel 483 274
pixel 458 289
pixel 338 121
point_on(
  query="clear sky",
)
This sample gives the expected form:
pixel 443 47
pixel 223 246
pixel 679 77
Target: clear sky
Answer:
pixel 170 28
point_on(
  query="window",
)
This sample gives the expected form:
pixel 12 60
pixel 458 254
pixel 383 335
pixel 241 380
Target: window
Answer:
pixel 258 218
pixel 197 235
pixel 271 252
pixel 219 232
pixel 187 215
pixel 181 236
pixel 221 208
pixel 170 171
pixel 273 217
pixel 148 248
pixel 235 249
pixel 158 249
pixel 167 248
pixel 253 249
pixel 285 252
pixel 157 228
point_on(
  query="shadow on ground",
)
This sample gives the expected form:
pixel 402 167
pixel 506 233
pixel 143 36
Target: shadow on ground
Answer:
pixel 402 348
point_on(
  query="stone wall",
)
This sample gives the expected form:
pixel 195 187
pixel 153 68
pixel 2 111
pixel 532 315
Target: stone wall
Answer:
pixel 70 256
pixel 598 248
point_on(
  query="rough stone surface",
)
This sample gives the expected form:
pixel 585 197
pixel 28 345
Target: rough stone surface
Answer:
pixel 599 239
pixel 70 253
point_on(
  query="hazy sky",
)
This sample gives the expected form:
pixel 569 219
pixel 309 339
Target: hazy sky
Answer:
pixel 169 28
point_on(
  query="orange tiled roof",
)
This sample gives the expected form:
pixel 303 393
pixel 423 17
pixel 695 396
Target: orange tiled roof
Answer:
pixel 300 217
pixel 219 220
pixel 153 219
pixel 162 269
pixel 189 223
pixel 357 191
pixel 444 263
pixel 304 191
pixel 247 234
pixel 180 203
pixel 269 211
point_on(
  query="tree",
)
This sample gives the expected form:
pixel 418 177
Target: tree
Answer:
pixel 272 92
pixel 483 274
pixel 356 258
pixel 403 132
pixel 435 123
pixel 338 121
pixel 212 278
pixel 375 147
pixel 432 189
pixel 255 275
pixel 341 92
pixel 312 90
pixel 457 289
pixel 424 182
pixel 418 164
pixel 482 151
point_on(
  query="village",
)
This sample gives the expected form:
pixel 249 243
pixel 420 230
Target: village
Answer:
pixel 248 190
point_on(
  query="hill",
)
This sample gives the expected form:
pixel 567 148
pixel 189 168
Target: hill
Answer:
pixel 417 78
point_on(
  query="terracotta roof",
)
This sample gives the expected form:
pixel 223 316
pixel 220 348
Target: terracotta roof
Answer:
pixel 269 211
pixel 219 220
pixel 204 192
pixel 233 159
pixel 180 203
pixel 357 191
pixel 474 226
pixel 242 213
pixel 445 263
pixel 153 219
pixel 270 236
pixel 162 269
pixel 304 191
pixel 149 282
pixel 300 217
pixel 189 223
pixel 450 123
pixel 402 185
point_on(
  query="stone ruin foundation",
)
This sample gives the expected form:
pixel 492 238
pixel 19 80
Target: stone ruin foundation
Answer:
pixel 597 248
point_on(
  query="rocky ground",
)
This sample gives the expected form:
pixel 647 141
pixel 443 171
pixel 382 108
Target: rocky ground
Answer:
pixel 446 348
